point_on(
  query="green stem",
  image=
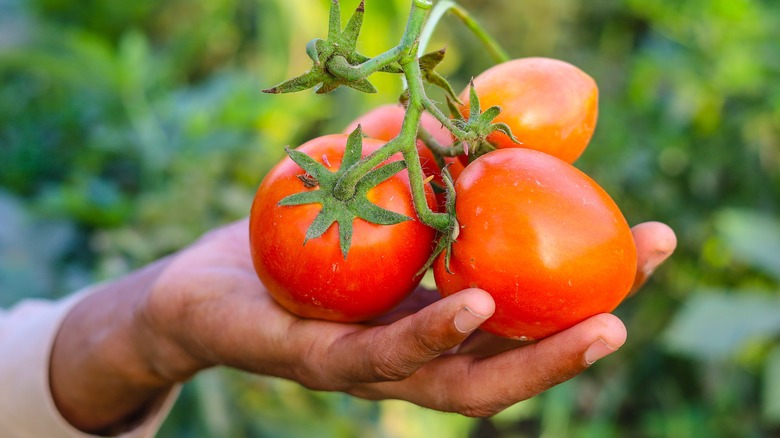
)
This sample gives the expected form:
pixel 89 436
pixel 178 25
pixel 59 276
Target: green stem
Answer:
pixel 341 68
pixel 347 184
pixel 405 143
pixel 436 147
pixel 409 128
pixel 495 50
pixel 444 120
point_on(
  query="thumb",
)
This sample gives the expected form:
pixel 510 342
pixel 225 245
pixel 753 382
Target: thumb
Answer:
pixel 395 351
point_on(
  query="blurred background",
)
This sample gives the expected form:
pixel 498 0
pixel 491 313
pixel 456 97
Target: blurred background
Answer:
pixel 127 129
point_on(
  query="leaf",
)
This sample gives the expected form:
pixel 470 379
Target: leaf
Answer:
pixel 752 236
pixel 714 324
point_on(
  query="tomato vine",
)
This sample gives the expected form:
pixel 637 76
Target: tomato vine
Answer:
pixel 336 62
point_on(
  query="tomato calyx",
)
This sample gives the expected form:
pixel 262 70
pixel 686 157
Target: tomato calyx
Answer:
pixel 342 211
pixel 335 59
pixel 478 126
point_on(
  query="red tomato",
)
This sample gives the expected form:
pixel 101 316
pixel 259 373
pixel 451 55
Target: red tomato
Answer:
pixel 542 238
pixel 384 123
pixel 314 280
pixel 550 105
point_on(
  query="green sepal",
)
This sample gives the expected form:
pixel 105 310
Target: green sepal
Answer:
pixel 353 152
pixel 351 31
pixel 503 127
pixel 321 223
pixel 334 20
pixel 474 109
pixel 301 198
pixel 343 212
pixel 431 60
pixel 454 111
pixel 479 126
pixel 362 85
pixel 428 64
pixel 313 49
pixel 307 163
pixel 345 236
pixel 326 87
pixel 298 83
pixel 334 56
pixel 368 211
pixel 491 113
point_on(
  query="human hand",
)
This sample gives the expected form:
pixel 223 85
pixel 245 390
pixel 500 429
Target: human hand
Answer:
pixel 226 317
pixel 204 306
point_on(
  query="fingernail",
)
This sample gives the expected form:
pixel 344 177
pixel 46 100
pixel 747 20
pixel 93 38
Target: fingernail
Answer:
pixel 466 321
pixel 597 350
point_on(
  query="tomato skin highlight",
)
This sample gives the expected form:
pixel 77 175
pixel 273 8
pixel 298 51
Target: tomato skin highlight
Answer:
pixel 314 280
pixel 544 239
pixel 384 123
pixel 550 105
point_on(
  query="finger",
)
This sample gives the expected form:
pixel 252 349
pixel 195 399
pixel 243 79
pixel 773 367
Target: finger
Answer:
pixel 395 351
pixel 483 387
pixel 420 298
pixel 484 344
pixel 655 242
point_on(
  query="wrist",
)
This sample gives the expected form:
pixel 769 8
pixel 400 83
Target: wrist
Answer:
pixel 100 374
pixel 160 330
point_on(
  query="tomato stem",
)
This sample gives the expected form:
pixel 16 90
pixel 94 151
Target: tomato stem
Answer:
pixel 436 147
pixel 496 52
pixel 405 143
pixel 336 63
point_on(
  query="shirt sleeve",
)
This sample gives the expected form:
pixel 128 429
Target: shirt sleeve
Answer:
pixel 27 409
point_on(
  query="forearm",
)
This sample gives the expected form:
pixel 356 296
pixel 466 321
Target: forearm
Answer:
pixel 102 375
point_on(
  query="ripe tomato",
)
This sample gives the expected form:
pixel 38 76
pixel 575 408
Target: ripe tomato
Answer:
pixel 315 280
pixel 542 238
pixel 550 105
pixel 384 123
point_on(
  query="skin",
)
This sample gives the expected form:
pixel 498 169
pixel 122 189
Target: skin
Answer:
pixel 123 347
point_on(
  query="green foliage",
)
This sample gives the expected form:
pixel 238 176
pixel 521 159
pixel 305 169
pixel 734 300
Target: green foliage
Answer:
pixel 129 128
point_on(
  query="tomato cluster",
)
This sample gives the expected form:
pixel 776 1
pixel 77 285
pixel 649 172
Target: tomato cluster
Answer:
pixel 540 236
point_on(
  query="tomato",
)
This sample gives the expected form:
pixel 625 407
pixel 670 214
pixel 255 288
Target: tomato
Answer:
pixel 384 123
pixel 315 280
pixel 550 105
pixel 544 239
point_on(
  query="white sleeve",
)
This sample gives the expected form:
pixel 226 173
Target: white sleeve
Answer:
pixel 27 333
